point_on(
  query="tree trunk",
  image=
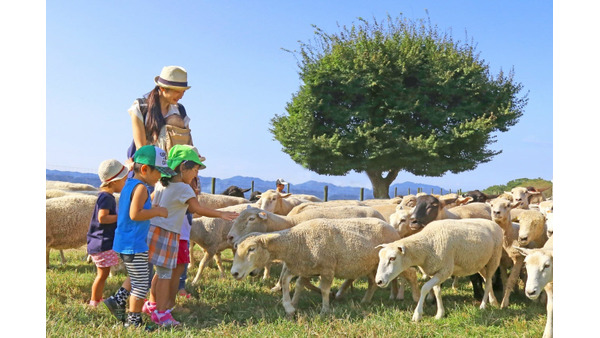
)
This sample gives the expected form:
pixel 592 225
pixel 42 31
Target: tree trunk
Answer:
pixel 381 185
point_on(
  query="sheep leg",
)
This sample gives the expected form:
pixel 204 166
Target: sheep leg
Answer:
pixel 437 291
pixel 285 290
pixel 424 291
pixel 345 285
pixel 201 267
pixel 549 306
pixel 455 283
pixel 300 284
pixel 47 258
pixel 370 289
pixel 325 287
pixel 192 259
pixel 220 264
pixel 397 289
pixel 510 283
pixel 411 276
pixel 63 261
pixel 267 271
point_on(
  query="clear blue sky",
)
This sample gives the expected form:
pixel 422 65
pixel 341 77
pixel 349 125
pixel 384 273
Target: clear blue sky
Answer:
pixel 101 55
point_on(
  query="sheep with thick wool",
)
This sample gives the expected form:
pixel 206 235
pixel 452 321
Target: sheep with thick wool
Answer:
pixel 316 205
pixel 219 201
pixel 442 249
pixel 328 248
pixel 539 265
pixel 278 203
pixel 68 221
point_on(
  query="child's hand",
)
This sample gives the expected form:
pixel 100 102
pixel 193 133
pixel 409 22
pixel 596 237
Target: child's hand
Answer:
pixel 161 211
pixel 229 215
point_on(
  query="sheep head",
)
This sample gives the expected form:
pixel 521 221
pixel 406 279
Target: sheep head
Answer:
pixel 539 266
pixel 392 262
pixel 249 220
pixel 251 254
pixel 531 226
pixel 501 208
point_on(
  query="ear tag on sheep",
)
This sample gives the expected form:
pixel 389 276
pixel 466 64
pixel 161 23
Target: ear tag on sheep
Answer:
pixel 262 215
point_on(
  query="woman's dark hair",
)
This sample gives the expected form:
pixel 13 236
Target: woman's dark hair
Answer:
pixel 154 119
pixel 187 165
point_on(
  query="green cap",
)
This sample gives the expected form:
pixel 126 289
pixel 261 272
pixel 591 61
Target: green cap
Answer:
pixel 180 153
pixel 154 156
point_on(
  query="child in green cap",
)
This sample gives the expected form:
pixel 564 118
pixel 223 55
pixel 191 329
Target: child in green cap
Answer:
pixel 133 221
pixel 177 196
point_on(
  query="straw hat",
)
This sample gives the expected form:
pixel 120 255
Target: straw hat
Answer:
pixel 172 77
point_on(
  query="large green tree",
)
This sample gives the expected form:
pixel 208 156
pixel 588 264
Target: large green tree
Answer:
pixel 382 97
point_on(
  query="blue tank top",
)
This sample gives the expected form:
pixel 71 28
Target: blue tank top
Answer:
pixel 130 236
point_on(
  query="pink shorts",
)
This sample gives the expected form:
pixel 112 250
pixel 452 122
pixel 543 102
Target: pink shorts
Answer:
pixel 105 259
pixel 183 256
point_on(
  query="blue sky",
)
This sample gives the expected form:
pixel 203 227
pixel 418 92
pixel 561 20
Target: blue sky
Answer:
pixel 101 55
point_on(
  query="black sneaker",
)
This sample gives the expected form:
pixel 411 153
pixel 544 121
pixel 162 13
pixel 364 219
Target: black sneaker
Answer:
pixel 133 325
pixel 115 309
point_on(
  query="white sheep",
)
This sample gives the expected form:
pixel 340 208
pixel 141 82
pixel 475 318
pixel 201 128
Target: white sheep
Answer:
pixel 315 205
pixel 442 249
pixel 501 214
pixel 539 265
pixel 219 201
pixel 550 224
pixel 278 203
pixel 68 186
pixel 328 248
pixel 522 195
pixel 532 229
pixel 68 221
pixel 211 235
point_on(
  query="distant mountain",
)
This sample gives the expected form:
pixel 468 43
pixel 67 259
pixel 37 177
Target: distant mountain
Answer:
pixel 311 187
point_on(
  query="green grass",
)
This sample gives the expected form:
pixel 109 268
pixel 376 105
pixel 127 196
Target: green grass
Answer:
pixel 226 307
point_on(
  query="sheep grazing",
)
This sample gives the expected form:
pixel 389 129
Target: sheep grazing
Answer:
pixel 278 203
pixel 501 214
pixel 68 221
pixel 342 248
pixel 219 201
pixel 235 191
pixel 442 249
pixel 539 266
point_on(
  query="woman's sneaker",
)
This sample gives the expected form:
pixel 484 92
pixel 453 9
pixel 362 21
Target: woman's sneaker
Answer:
pixel 115 309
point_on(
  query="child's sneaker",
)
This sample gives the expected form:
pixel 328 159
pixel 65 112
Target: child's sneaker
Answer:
pixel 164 319
pixel 115 309
pixel 148 307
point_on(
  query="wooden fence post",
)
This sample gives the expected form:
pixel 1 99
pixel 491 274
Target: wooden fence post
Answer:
pixel 325 190
pixel 362 194
pixel 212 185
pixel 252 186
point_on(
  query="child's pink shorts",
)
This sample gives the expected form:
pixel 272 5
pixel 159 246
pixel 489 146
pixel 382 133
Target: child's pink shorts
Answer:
pixel 105 259
pixel 183 256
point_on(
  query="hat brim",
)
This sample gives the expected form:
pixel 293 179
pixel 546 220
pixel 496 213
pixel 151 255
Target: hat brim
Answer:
pixel 166 171
pixel 121 175
pixel 168 86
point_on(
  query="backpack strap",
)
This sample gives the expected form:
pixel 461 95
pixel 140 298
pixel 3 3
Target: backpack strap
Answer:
pixel 182 110
pixel 143 102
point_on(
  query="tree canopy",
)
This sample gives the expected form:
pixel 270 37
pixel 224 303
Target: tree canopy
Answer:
pixel 381 97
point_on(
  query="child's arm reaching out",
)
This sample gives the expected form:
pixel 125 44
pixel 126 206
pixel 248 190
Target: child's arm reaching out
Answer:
pixel 195 207
pixel 137 211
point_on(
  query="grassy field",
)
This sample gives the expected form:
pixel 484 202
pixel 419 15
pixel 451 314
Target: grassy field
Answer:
pixel 247 308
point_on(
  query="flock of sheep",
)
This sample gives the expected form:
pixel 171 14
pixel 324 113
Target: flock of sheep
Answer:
pixel 491 239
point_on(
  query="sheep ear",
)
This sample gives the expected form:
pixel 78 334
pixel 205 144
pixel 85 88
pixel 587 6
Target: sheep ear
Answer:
pixel 514 205
pixel 380 246
pixel 402 249
pixel 265 238
pixel 262 215
pixel 522 251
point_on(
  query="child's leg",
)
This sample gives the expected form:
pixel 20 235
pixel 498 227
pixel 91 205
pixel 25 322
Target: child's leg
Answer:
pixel 163 283
pixel 138 273
pixel 98 285
pixel 174 284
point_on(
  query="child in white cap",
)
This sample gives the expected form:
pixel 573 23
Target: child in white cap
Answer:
pixel 101 234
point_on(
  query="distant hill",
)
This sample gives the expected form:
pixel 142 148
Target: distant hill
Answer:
pixel 311 187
